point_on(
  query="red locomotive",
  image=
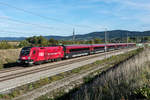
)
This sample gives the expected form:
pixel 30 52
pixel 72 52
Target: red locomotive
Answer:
pixel 37 55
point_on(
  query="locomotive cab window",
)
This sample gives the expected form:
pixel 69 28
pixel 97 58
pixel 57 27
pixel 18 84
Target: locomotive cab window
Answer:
pixel 25 51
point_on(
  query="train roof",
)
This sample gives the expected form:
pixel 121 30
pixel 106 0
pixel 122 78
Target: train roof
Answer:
pixel 26 48
pixel 77 46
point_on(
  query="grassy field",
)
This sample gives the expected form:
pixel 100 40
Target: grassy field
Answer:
pixel 14 43
pixel 8 56
pixel 87 90
pixel 31 86
pixel 129 80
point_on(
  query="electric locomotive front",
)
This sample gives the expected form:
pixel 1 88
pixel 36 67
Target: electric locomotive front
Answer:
pixel 38 55
pixel 25 57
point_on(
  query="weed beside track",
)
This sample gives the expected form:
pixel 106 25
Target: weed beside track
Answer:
pixel 32 86
pixel 79 93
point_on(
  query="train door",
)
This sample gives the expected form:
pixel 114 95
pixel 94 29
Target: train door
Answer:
pixel 46 54
pixel 34 55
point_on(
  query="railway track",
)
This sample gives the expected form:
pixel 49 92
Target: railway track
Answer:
pixel 12 79
pixel 16 68
pixel 18 72
pixel 11 69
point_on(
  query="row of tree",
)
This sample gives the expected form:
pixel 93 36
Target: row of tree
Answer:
pixel 41 41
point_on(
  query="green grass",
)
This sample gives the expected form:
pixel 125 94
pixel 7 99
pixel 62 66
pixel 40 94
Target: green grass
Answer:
pixel 109 62
pixel 143 91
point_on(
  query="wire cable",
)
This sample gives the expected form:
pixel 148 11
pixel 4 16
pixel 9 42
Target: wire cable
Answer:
pixel 23 22
pixel 45 17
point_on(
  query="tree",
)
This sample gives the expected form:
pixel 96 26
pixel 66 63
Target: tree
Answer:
pixel 32 40
pixel 53 41
pixel 37 41
pixel 97 41
pixel 42 41
pixel 89 42
pixel 24 43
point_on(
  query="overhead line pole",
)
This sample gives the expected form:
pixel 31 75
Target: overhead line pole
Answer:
pixel 105 42
pixel 127 39
pixel 73 36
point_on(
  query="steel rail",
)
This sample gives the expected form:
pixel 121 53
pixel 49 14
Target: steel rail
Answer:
pixel 43 68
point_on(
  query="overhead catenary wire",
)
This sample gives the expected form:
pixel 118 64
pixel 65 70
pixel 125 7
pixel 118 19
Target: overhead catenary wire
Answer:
pixel 12 32
pixel 41 16
pixel 8 5
pixel 27 23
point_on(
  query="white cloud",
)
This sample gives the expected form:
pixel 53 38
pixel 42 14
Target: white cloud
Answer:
pixel 137 4
pixel 118 11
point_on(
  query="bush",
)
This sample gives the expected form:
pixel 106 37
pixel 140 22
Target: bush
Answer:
pixel 5 45
pixel 36 41
pixel 143 92
pixel 24 43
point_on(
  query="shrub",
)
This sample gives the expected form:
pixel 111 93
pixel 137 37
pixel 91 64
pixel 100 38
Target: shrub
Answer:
pixel 143 92
pixel 24 43
pixel 5 45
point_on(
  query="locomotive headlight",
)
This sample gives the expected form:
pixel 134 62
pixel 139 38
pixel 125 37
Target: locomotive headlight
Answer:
pixel 18 61
pixel 29 58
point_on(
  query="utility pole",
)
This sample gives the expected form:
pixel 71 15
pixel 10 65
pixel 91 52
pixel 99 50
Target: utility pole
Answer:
pixel 127 39
pixel 105 42
pixel 137 40
pixel 121 38
pixel 73 36
pixel 107 36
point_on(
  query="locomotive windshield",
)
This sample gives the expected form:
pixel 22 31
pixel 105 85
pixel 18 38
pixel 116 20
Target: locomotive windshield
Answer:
pixel 25 51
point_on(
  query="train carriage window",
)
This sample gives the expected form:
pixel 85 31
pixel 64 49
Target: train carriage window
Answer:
pixel 80 49
pixel 98 47
pixel 111 47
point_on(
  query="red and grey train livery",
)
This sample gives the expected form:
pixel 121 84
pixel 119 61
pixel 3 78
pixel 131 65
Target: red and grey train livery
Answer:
pixel 38 55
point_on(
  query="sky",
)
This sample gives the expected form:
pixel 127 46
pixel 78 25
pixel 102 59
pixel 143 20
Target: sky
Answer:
pixel 25 18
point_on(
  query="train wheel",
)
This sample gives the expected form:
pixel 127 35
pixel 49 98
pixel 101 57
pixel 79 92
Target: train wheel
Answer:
pixel 55 60
pixel 66 57
pixel 52 60
pixel 39 63
pixel 89 53
pixel 29 65
pixel 49 60
pixel 70 57
pixel 46 61
pixel 58 59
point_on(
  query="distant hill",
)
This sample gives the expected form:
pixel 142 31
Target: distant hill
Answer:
pixel 12 38
pixel 113 34
pixel 110 34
